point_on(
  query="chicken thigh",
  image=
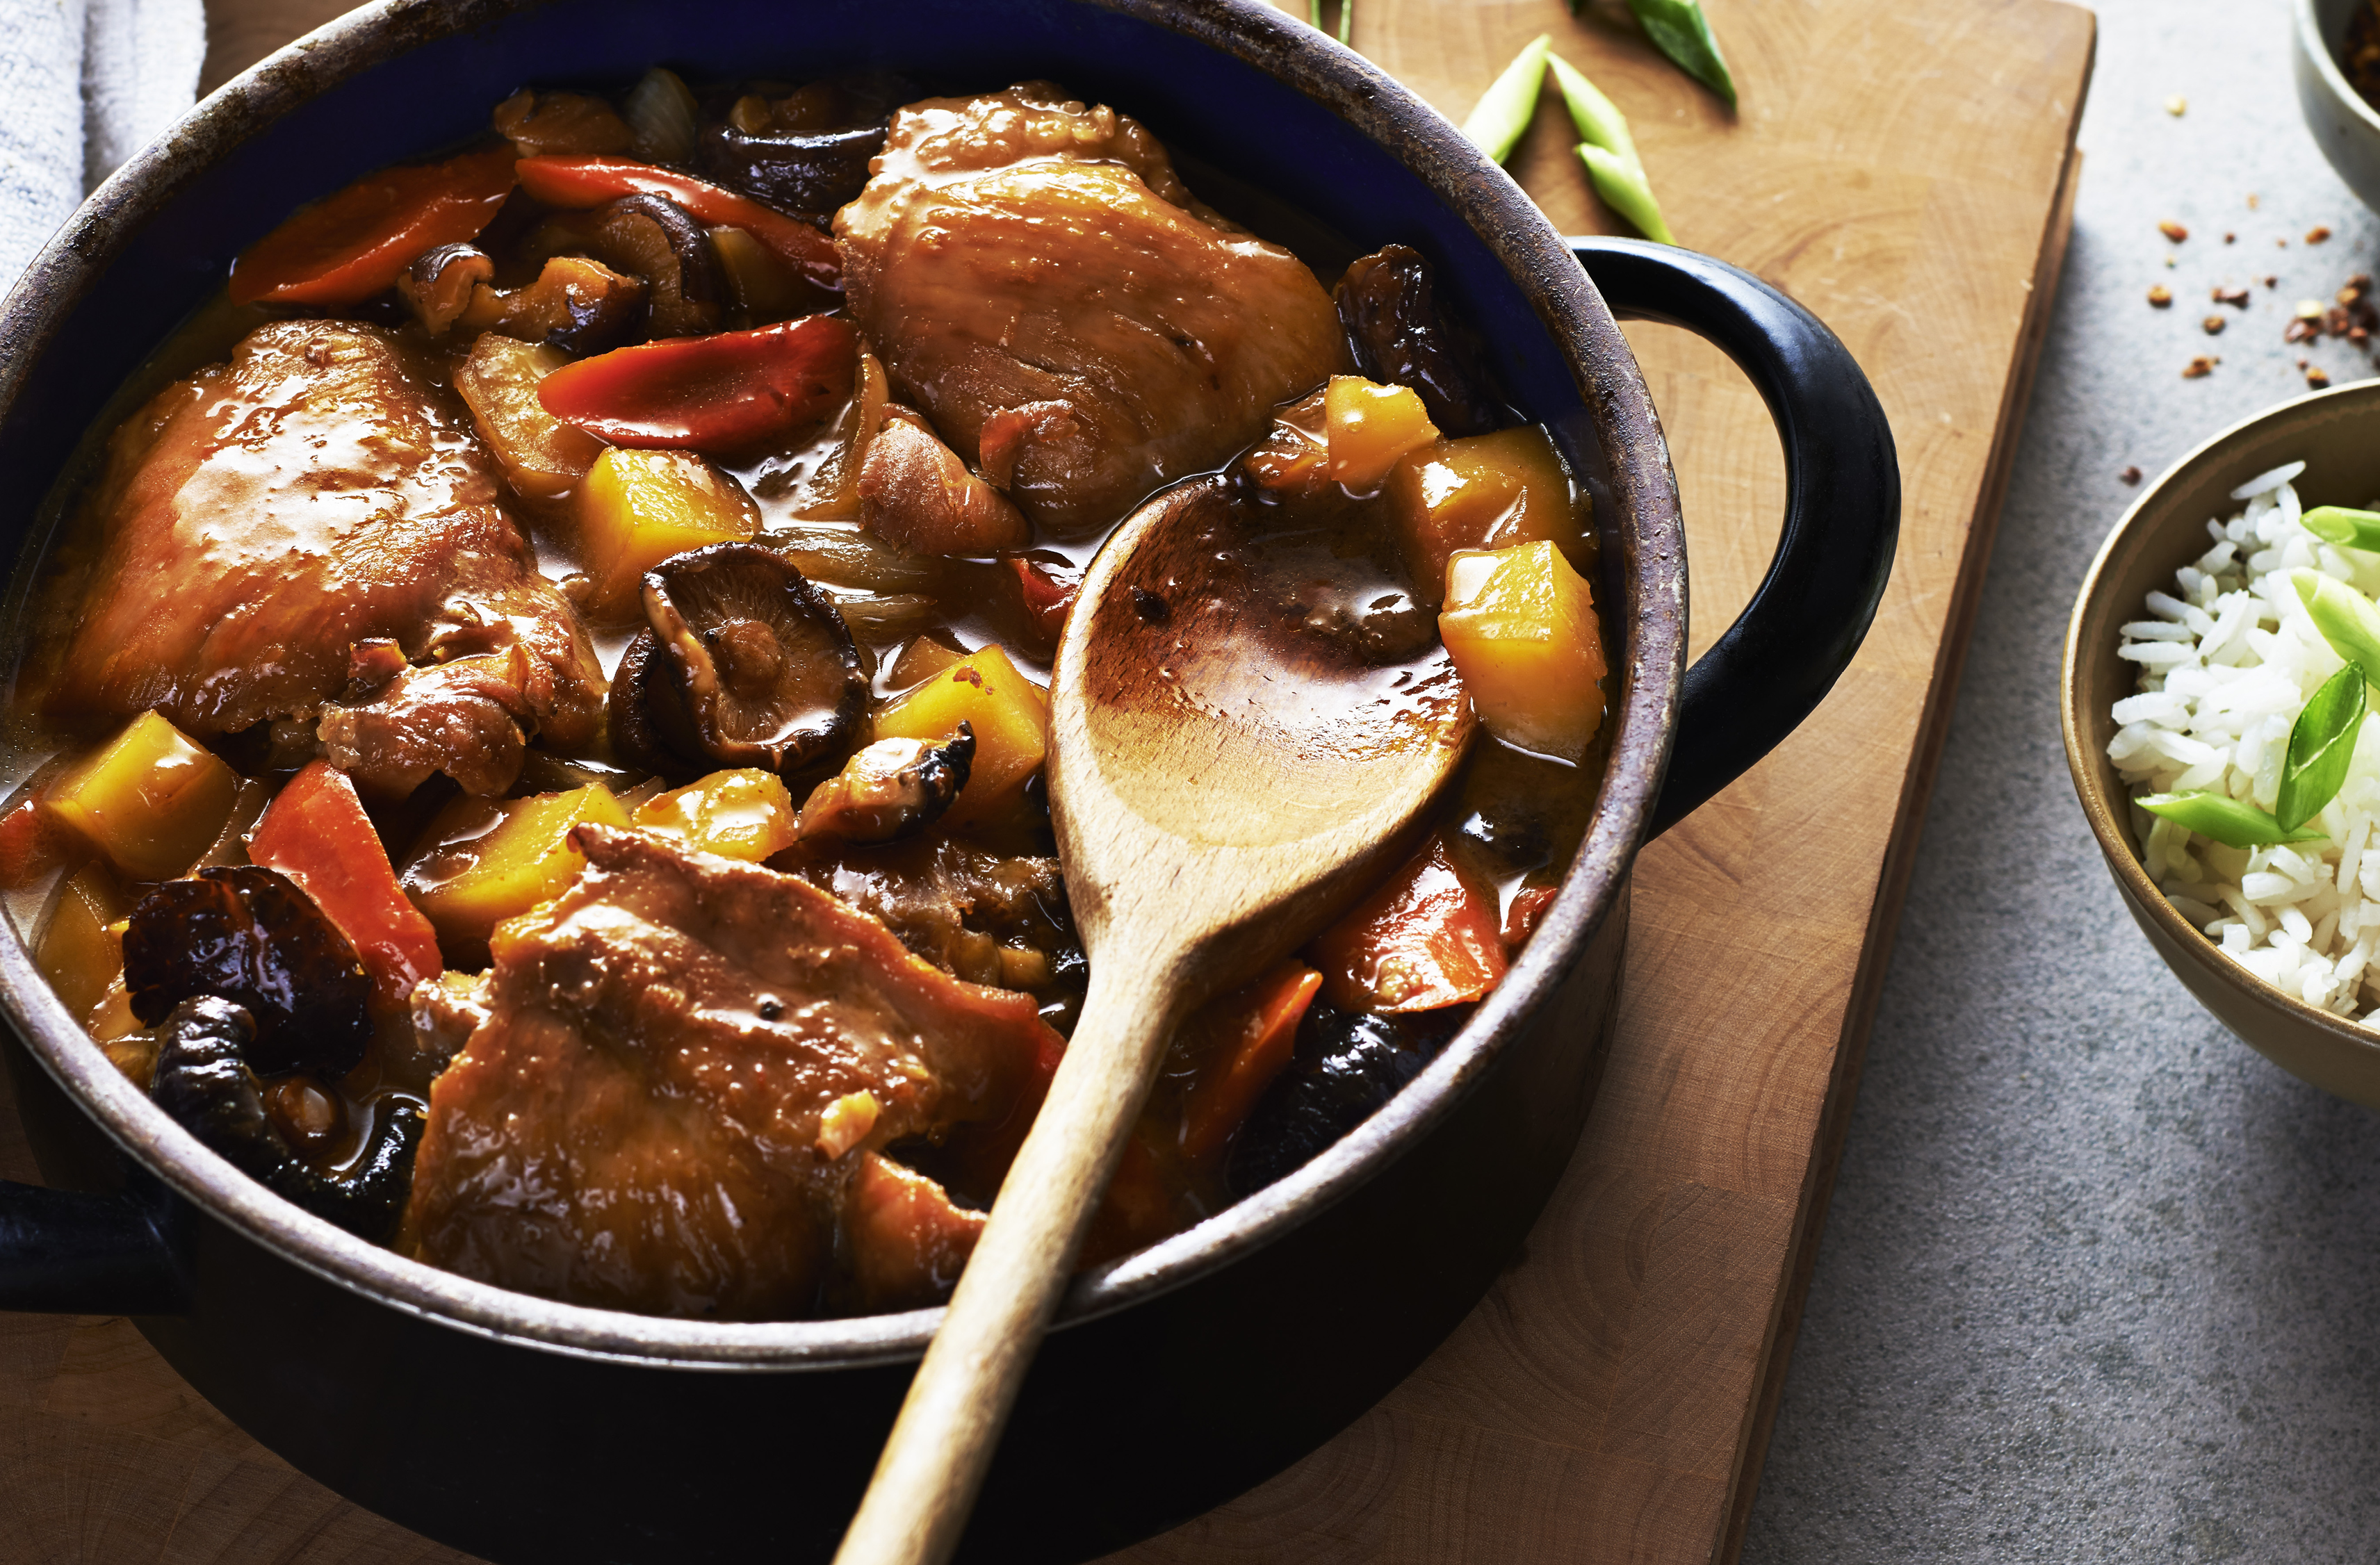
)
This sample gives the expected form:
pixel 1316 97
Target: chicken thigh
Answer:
pixel 680 1066
pixel 1076 324
pixel 313 508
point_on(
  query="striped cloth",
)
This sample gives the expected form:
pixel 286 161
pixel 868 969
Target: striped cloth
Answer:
pixel 84 84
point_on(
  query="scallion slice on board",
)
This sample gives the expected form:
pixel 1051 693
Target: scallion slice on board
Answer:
pixel 2349 529
pixel 1609 152
pixel 2322 743
pixel 2233 822
pixel 1504 111
pixel 1679 30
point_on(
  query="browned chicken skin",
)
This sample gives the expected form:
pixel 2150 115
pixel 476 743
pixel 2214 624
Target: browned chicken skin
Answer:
pixel 660 1114
pixel 1037 278
pixel 265 517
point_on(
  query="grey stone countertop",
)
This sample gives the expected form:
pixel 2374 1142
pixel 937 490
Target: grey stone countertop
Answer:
pixel 2098 1282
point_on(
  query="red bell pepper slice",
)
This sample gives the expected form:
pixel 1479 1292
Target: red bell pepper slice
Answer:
pixel 1528 910
pixel 581 182
pixel 1428 938
pixel 315 832
pixel 1258 1028
pixel 346 248
pixel 1049 588
pixel 31 845
pixel 722 394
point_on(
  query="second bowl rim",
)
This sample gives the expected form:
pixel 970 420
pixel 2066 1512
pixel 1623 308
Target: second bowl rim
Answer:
pixel 2099 809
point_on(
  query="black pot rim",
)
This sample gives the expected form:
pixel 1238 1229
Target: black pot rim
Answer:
pixel 1650 548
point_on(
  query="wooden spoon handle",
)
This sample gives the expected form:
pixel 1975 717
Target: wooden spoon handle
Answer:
pixel 917 1503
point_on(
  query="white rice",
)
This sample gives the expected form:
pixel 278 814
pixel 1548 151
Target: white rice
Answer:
pixel 2227 660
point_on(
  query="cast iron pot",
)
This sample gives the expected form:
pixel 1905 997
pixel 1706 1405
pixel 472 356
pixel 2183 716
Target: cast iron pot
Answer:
pixel 525 1430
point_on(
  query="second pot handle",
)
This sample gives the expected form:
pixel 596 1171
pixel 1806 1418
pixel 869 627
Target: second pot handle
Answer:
pixel 1842 510
pixel 71 1252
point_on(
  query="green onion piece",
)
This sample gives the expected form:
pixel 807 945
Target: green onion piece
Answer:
pixel 2322 743
pixel 1623 187
pixel 2350 529
pixel 1313 14
pixel 1346 22
pixel 2232 823
pixel 1598 120
pixel 1505 109
pixel 1679 30
pixel 2346 617
pixel 1609 152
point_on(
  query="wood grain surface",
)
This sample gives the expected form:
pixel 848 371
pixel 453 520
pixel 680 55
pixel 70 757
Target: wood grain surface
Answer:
pixel 1904 168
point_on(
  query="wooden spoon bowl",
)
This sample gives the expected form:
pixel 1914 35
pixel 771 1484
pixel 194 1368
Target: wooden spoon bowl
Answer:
pixel 1227 767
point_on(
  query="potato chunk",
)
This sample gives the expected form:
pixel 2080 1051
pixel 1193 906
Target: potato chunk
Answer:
pixel 484 860
pixel 743 814
pixel 1485 492
pixel 1521 626
pixel 638 508
pixel 1370 426
pixel 543 457
pixel 82 950
pixel 1011 717
pixel 149 798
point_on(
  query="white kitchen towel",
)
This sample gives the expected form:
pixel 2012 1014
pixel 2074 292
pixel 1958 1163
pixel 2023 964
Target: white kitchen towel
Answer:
pixel 83 85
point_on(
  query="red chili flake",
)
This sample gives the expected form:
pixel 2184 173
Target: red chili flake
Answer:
pixel 2214 325
pixel 2316 378
pixel 2335 321
pixel 2302 330
pixel 2271 282
pixel 2317 233
pixel 2128 476
pixel 2173 230
pixel 2160 296
pixel 2236 297
pixel 2202 365
pixel 2229 238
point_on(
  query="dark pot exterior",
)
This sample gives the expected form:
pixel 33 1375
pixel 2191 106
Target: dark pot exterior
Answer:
pixel 528 1431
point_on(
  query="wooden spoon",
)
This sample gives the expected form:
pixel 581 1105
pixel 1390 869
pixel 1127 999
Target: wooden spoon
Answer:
pixel 1223 778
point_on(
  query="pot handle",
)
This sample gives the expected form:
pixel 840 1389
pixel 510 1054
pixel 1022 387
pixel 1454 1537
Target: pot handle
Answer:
pixel 71 1252
pixel 1842 510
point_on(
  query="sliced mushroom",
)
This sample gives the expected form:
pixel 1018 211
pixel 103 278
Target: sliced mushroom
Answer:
pixel 550 123
pixel 807 151
pixel 438 285
pixel 639 686
pixel 204 1080
pixel 249 935
pixel 760 669
pixel 892 789
pixel 652 237
pixel 577 304
pixel 1388 312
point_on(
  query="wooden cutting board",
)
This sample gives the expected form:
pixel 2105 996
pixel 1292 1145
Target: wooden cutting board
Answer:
pixel 1903 167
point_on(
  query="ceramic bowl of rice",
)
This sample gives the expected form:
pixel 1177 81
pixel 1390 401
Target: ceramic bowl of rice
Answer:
pixel 2189 657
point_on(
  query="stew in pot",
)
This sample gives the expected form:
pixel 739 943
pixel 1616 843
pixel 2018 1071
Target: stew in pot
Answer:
pixel 531 737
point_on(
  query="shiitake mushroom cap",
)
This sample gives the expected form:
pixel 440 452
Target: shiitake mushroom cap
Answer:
pixel 205 1079
pixel 752 664
pixel 651 236
pixel 1395 333
pixel 818 161
pixel 440 283
pixel 894 788
pixel 1347 1064
pixel 247 934
pixel 639 686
